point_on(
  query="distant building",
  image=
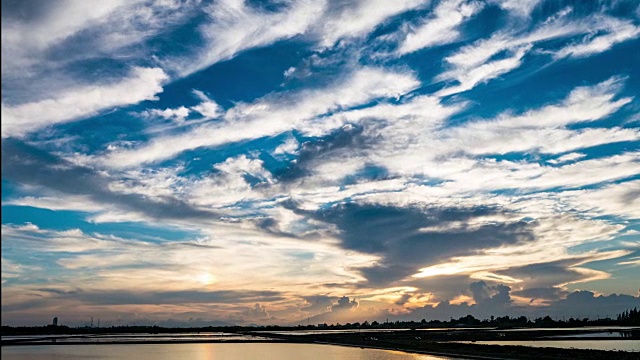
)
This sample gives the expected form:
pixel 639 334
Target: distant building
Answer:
pixel 55 321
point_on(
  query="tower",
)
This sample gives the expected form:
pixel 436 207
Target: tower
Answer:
pixel 55 321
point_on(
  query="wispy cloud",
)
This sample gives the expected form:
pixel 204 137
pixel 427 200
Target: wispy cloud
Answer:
pixel 272 115
pixel 442 27
pixel 80 103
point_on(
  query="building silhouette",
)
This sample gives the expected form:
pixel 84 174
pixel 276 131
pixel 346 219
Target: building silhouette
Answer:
pixel 55 321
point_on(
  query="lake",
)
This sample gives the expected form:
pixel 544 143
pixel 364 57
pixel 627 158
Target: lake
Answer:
pixel 217 351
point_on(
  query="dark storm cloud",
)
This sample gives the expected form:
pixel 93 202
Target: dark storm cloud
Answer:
pixel 27 165
pixel 398 235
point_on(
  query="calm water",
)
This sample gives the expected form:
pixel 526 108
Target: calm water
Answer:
pixel 604 334
pixel 324 332
pixel 583 328
pixel 218 351
pixel 625 345
pixel 124 338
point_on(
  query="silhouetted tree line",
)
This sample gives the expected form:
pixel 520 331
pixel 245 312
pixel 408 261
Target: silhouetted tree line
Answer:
pixel 628 318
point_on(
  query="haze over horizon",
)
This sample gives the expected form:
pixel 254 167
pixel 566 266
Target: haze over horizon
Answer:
pixel 187 162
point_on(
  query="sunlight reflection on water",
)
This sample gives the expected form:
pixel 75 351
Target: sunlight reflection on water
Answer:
pixel 218 351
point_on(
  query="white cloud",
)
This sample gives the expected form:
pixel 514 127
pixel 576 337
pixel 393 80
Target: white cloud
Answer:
pixel 471 64
pixel 528 131
pixel 272 115
pixel 358 18
pixel 634 261
pixel 178 114
pixel 208 108
pixel 468 78
pixel 235 26
pixel 412 143
pixel 518 7
pixel 442 28
pixel 85 32
pixel 622 199
pixel 25 41
pixel 617 31
pixel 567 158
pixel 290 146
pixel 143 84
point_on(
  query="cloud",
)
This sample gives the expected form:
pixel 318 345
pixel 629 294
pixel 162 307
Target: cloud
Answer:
pixel 25 164
pixel 271 115
pixel 469 78
pixel 396 235
pixel 581 304
pixel 442 27
pixel 411 138
pixel 519 7
pixel 67 46
pixel 544 294
pixel 257 313
pixel 633 261
pixel 360 174
pixel 617 31
pixel 344 303
pixel 619 199
pixel 178 115
pixel 476 64
pixel 234 26
pixel 29 30
pixel 578 304
pixel 534 251
pixel 142 84
pixel 567 158
pixel 207 108
pixel 358 18
pixel 318 303
pixel 492 296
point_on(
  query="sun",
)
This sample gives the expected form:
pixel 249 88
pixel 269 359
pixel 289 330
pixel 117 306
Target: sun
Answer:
pixel 206 278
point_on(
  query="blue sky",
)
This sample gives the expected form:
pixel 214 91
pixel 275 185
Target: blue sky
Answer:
pixel 276 162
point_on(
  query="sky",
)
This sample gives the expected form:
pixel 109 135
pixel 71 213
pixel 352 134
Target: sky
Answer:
pixel 193 163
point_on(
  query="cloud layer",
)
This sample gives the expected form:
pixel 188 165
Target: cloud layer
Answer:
pixel 242 162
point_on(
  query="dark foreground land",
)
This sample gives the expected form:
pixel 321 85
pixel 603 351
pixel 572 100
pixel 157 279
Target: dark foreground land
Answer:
pixel 444 342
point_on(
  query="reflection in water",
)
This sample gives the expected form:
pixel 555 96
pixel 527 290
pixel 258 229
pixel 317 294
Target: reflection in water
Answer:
pixel 624 345
pixel 218 351
pixel 140 338
pixel 604 334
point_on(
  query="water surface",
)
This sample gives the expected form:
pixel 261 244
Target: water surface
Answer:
pixel 624 345
pixel 217 351
pixel 136 337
